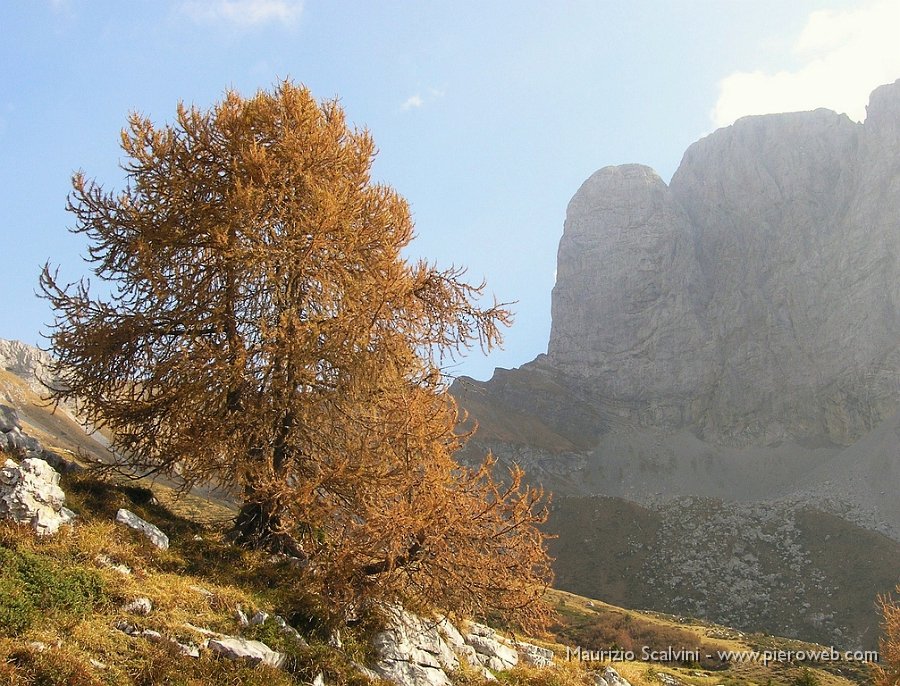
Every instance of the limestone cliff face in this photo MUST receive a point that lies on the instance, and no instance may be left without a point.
(756, 297)
(626, 314)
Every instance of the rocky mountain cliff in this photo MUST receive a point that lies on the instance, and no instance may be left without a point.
(733, 336)
(754, 298)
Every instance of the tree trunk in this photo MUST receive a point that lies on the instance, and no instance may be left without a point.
(258, 526)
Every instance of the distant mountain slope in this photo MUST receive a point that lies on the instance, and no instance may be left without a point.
(786, 569)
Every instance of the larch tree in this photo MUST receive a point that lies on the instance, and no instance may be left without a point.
(261, 330)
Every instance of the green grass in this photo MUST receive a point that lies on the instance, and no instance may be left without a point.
(36, 588)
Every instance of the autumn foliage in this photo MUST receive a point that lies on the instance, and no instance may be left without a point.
(260, 329)
(888, 673)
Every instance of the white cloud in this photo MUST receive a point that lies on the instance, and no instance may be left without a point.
(244, 13)
(412, 101)
(844, 55)
(417, 100)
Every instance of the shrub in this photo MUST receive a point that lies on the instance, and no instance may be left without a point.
(888, 672)
(33, 586)
(806, 678)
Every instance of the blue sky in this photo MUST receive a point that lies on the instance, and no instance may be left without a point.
(488, 115)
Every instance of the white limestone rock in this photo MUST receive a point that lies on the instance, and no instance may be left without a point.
(30, 494)
(412, 652)
(534, 655)
(237, 648)
(490, 649)
(139, 606)
(613, 678)
(405, 673)
(152, 532)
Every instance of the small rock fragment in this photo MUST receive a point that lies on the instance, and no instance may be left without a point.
(106, 561)
(139, 606)
(288, 630)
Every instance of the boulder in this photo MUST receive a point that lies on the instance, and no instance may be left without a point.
(613, 678)
(405, 673)
(30, 494)
(459, 646)
(490, 649)
(255, 652)
(9, 419)
(132, 521)
(534, 655)
(412, 651)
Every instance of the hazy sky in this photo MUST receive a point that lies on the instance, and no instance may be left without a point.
(488, 115)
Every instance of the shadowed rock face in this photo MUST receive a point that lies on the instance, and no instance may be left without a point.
(756, 297)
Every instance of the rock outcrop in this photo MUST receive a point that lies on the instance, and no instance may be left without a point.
(414, 651)
(30, 494)
(27, 362)
(757, 297)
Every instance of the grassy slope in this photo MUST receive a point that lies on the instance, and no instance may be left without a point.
(202, 580)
